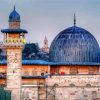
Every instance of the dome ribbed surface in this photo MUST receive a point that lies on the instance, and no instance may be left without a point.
(14, 16)
(74, 44)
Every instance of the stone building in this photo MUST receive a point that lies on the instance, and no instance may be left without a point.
(45, 47)
(72, 72)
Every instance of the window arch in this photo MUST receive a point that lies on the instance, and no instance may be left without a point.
(88, 85)
(26, 73)
(73, 70)
(91, 70)
(72, 85)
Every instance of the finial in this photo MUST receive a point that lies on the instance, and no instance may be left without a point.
(74, 19)
(14, 7)
(45, 37)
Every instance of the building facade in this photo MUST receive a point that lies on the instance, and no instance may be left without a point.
(72, 72)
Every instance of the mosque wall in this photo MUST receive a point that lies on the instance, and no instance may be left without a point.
(29, 81)
(77, 80)
(29, 70)
(29, 93)
(72, 87)
(60, 93)
(59, 87)
(33, 81)
(74, 69)
(77, 93)
(34, 70)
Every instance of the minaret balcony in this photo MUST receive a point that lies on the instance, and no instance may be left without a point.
(13, 42)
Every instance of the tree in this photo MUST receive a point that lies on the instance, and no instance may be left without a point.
(30, 49)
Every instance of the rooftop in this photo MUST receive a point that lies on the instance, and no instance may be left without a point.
(42, 62)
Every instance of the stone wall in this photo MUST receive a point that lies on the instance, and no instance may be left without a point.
(77, 93)
(60, 93)
(65, 87)
(77, 80)
(14, 72)
(69, 87)
(29, 93)
(75, 87)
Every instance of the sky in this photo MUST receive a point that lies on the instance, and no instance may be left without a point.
(49, 17)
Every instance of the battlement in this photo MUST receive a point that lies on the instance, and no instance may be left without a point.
(13, 42)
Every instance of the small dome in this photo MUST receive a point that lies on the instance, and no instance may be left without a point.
(14, 16)
(74, 44)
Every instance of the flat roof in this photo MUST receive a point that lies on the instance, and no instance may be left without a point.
(42, 62)
(14, 31)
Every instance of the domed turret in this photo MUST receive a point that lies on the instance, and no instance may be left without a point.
(14, 16)
(14, 34)
(75, 44)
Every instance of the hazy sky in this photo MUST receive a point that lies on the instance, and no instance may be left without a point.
(49, 17)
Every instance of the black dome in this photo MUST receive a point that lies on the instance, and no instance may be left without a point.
(74, 44)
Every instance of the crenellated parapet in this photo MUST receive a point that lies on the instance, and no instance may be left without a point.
(13, 42)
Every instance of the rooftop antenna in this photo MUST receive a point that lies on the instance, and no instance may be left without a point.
(74, 19)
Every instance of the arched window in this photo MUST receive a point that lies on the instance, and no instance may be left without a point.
(88, 85)
(26, 73)
(91, 70)
(55, 85)
(72, 85)
(34, 73)
(73, 70)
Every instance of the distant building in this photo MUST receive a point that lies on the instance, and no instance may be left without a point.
(45, 47)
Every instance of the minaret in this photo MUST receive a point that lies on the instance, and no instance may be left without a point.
(45, 42)
(13, 43)
(45, 47)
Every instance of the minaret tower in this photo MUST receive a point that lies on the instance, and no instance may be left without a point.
(13, 43)
(45, 42)
(45, 47)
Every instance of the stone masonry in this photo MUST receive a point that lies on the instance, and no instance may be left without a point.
(14, 72)
(71, 87)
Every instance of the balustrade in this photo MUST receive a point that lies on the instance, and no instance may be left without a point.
(13, 42)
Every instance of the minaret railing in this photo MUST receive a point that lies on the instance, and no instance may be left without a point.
(12, 42)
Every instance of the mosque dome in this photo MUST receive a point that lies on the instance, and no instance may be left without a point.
(75, 44)
(14, 16)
